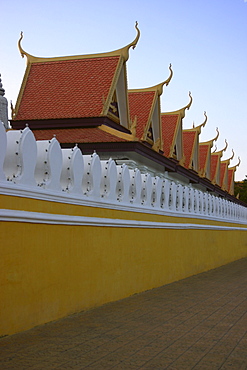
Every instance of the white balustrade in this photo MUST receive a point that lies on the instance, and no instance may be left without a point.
(30, 163)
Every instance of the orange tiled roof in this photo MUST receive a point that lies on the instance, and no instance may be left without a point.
(140, 104)
(214, 165)
(231, 172)
(67, 88)
(189, 138)
(77, 135)
(169, 124)
(223, 168)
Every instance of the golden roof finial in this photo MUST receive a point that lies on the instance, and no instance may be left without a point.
(19, 45)
(158, 87)
(232, 155)
(166, 82)
(198, 128)
(227, 161)
(216, 137)
(22, 51)
(134, 43)
(235, 167)
(181, 111)
(211, 142)
(190, 102)
(220, 152)
(239, 161)
(125, 49)
(225, 146)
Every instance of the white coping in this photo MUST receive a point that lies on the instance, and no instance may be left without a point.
(58, 219)
(66, 198)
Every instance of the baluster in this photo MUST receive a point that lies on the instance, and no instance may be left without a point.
(135, 186)
(92, 175)
(123, 183)
(179, 198)
(186, 199)
(146, 191)
(165, 194)
(108, 180)
(156, 191)
(21, 155)
(72, 170)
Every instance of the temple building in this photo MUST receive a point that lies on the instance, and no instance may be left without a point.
(84, 100)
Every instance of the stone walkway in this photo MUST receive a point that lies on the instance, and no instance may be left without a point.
(197, 323)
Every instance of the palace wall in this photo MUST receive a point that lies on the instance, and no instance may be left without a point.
(77, 232)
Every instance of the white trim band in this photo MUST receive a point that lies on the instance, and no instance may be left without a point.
(57, 219)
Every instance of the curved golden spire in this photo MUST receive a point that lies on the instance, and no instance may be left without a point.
(215, 149)
(124, 52)
(229, 159)
(23, 52)
(217, 135)
(239, 161)
(211, 142)
(182, 110)
(198, 128)
(125, 49)
(235, 167)
(158, 87)
(166, 82)
(223, 150)
(232, 155)
(220, 152)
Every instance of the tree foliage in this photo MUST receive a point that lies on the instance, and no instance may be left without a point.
(240, 190)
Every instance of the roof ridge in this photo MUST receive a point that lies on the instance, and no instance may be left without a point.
(124, 52)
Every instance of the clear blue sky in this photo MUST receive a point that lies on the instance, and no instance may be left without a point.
(206, 42)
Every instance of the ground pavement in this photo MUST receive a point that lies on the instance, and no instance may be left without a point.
(196, 323)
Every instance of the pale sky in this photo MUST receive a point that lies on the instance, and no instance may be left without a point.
(206, 42)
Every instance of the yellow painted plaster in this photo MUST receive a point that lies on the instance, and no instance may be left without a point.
(50, 271)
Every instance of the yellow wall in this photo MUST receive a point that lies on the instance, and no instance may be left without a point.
(50, 271)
